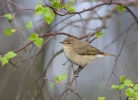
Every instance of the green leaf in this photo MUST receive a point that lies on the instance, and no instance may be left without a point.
(62, 77)
(10, 54)
(120, 87)
(33, 37)
(66, 5)
(57, 79)
(4, 60)
(48, 15)
(72, 1)
(39, 9)
(29, 25)
(121, 8)
(101, 98)
(130, 98)
(56, 4)
(122, 79)
(135, 95)
(39, 2)
(136, 87)
(129, 92)
(97, 35)
(9, 31)
(52, 85)
(8, 16)
(6, 57)
(127, 82)
(71, 9)
(114, 86)
(38, 42)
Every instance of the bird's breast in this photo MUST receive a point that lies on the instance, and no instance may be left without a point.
(77, 59)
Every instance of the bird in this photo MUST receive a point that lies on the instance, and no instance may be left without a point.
(81, 52)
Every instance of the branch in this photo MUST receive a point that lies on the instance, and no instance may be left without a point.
(43, 74)
(71, 82)
(26, 71)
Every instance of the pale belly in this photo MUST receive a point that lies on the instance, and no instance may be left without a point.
(80, 60)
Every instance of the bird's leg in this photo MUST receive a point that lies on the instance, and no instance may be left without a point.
(73, 68)
(92, 40)
(75, 75)
(81, 67)
(65, 63)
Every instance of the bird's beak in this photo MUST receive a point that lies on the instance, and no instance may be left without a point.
(61, 42)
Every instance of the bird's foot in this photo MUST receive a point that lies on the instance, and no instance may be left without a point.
(77, 70)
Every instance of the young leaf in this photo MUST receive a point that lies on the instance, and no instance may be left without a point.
(8, 16)
(33, 37)
(57, 79)
(120, 87)
(127, 82)
(52, 84)
(130, 98)
(39, 9)
(97, 35)
(129, 92)
(72, 1)
(4, 60)
(29, 25)
(114, 87)
(56, 4)
(136, 87)
(66, 5)
(10, 54)
(62, 77)
(121, 8)
(101, 98)
(9, 31)
(38, 42)
(48, 15)
(122, 79)
(71, 9)
(135, 95)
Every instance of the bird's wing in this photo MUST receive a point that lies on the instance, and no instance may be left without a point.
(84, 48)
(94, 51)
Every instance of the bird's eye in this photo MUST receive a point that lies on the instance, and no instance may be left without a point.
(68, 43)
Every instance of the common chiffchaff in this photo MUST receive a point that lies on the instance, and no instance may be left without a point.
(80, 52)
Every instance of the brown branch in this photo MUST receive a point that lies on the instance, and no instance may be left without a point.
(22, 78)
(44, 35)
(112, 73)
(27, 70)
(43, 74)
(82, 23)
(128, 28)
(23, 47)
(71, 82)
(98, 29)
(92, 8)
(134, 16)
(13, 64)
(14, 4)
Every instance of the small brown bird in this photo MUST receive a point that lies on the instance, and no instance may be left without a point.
(80, 52)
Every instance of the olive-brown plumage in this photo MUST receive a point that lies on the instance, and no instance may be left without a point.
(80, 52)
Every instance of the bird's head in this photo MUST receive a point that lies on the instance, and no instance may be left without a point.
(69, 42)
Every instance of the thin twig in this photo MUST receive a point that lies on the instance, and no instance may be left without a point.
(71, 82)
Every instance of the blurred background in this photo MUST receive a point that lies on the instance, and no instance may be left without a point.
(23, 78)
